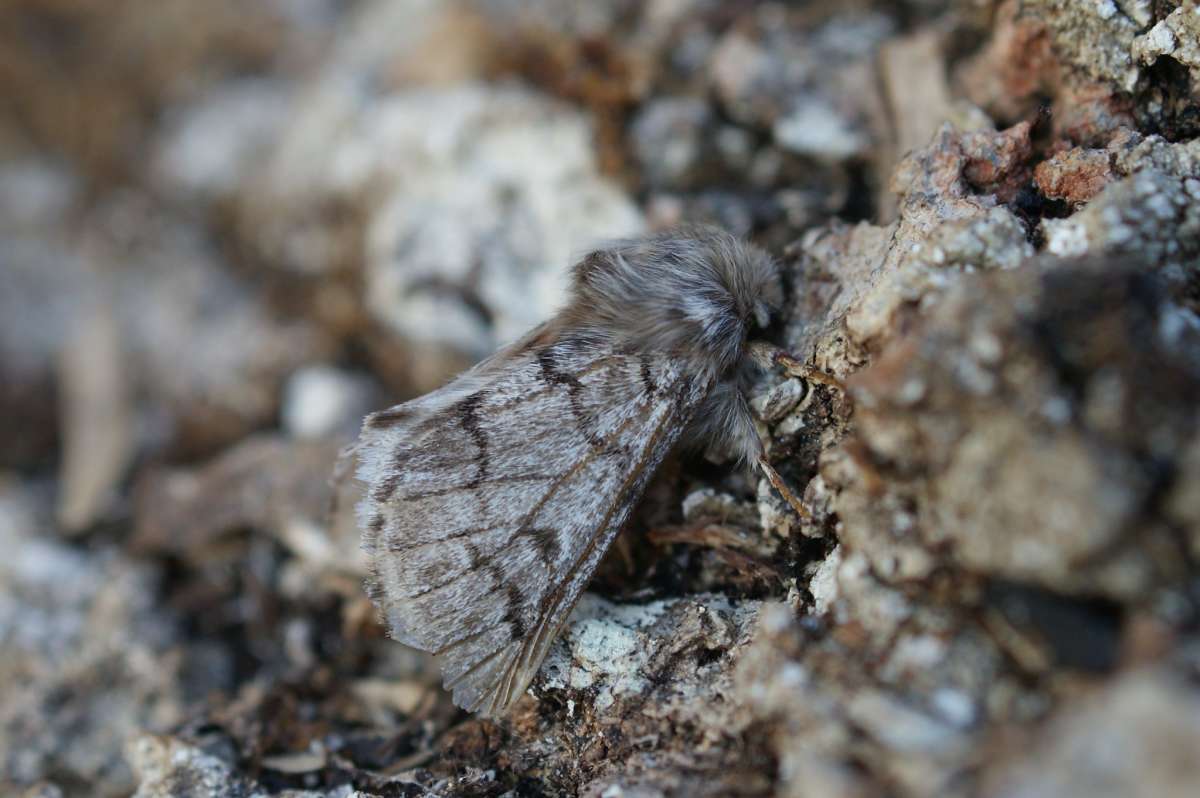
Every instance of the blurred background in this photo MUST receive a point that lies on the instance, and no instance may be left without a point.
(228, 229)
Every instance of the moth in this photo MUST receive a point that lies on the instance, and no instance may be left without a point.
(489, 502)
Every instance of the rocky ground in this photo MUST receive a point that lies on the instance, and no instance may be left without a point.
(226, 235)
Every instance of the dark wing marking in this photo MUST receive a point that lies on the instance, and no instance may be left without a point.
(490, 502)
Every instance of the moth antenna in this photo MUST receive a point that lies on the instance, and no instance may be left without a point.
(781, 486)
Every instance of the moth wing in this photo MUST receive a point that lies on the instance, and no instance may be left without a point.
(490, 502)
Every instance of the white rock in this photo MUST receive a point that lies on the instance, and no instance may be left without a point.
(490, 194)
(815, 128)
(321, 400)
(211, 146)
(824, 584)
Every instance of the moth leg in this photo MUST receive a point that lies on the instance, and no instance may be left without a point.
(769, 356)
(781, 486)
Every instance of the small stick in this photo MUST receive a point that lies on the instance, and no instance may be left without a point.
(784, 491)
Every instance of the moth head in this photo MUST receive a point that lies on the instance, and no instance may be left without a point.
(751, 278)
(698, 291)
(756, 286)
(735, 290)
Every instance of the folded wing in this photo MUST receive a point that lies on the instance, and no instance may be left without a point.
(490, 502)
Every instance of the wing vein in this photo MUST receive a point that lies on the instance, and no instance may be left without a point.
(551, 605)
(491, 617)
(612, 508)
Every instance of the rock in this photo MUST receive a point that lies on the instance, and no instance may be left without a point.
(773, 73)
(94, 654)
(173, 293)
(1079, 175)
(208, 148)
(1177, 36)
(808, 82)
(1071, 437)
(42, 283)
(620, 672)
(1076, 176)
(95, 96)
(670, 137)
(1151, 214)
(35, 193)
(1094, 37)
(802, 717)
(514, 167)
(1016, 64)
(158, 282)
(610, 651)
(1151, 716)
(1074, 52)
(949, 217)
(322, 401)
(270, 485)
(813, 128)
(708, 504)
(1182, 503)
(165, 767)
(918, 93)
